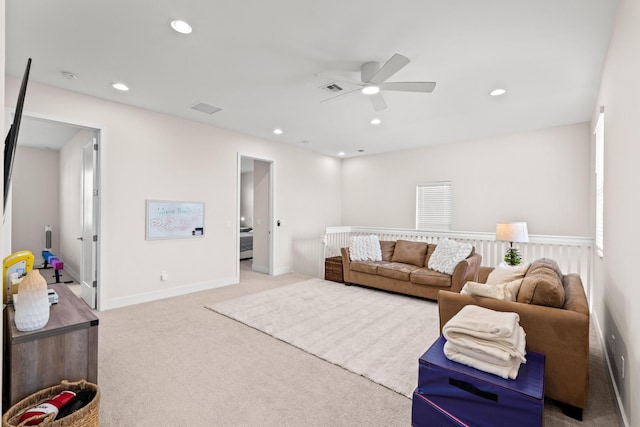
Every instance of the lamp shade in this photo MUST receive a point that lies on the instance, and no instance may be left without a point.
(512, 232)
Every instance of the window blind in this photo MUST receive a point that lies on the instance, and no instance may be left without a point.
(433, 206)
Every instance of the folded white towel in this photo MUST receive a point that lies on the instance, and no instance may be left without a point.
(490, 351)
(483, 323)
(506, 372)
(491, 333)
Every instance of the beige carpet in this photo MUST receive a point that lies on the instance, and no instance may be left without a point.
(380, 335)
(375, 334)
(172, 362)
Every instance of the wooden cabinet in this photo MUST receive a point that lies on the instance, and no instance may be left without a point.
(66, 348)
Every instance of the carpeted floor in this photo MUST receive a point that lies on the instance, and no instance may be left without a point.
(174, 363)
(374, 334)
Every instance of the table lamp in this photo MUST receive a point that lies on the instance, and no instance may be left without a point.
(512, 232)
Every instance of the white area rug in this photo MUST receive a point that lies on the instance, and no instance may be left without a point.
(372, 333)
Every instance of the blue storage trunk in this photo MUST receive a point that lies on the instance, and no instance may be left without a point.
(425, 413)
(479, 398)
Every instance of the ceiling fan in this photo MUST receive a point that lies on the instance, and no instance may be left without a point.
(374, 79)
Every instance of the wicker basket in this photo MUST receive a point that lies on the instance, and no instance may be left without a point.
(87, 416)
(333, 269)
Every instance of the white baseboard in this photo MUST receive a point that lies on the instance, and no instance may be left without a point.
(603, 344)
(165, 293)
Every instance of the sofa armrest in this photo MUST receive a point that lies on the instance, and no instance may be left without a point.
(465, 271)
(562, 335)
(346, 266)
(483, 274)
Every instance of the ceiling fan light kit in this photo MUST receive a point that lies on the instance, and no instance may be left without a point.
(370, 89)
(373, 81)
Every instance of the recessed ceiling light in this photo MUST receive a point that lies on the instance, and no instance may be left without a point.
(120, 86)
(341, 153)
(69, 75)
(278, 131)
(181, 26)
(376, 121)
(497, 92)
(370, 89)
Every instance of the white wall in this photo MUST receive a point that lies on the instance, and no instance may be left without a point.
(35, 203)
(616, 290)
(147, 155)
(541, 177)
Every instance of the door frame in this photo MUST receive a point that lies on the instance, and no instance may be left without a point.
(100, 134)
(272, 237)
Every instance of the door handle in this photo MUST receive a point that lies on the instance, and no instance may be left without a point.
(80, 238)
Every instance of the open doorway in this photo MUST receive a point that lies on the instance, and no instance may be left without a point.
(255, 214)
(54, 196)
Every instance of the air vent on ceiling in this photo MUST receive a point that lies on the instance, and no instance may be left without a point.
(332, 87)
(203, 107)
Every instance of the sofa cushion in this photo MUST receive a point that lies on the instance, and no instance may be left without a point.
(395, 270)
(410, 253)
(542, 285)
(430, 250)
(448, 254)
(387, 247)
(370, 267)
(425, 276)
(504, 273)
(502, 291)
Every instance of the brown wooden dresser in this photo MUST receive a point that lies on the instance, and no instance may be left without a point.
(66, 348)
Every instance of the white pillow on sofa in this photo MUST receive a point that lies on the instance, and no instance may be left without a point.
(448, 254)
(504, 273)
(365, 248)
(504, 291)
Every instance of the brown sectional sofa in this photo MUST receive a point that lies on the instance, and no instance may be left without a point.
(403, 269)
(554, 314)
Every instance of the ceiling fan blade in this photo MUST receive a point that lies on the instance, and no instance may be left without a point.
(392, 66)
(427, 87)
(340, 95)
(368, 70)
(378, 102)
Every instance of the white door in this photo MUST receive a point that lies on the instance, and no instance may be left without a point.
(88, 267)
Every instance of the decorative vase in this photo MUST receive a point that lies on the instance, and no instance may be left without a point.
(32, 304)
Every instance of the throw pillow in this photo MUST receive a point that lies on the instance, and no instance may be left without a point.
(410, 252)
(504, 291)
(542, 286)
(448, 254)
(387, 247)
(365, 248)
(504, 273)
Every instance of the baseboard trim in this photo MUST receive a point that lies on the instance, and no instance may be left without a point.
(603, 344)
(165, 293)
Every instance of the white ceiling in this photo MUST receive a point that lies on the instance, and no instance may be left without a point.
(257, 60)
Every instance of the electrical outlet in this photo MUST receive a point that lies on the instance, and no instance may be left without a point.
(164, 276)
(613, 344)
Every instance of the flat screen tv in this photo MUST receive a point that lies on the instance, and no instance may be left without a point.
(12, 137)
